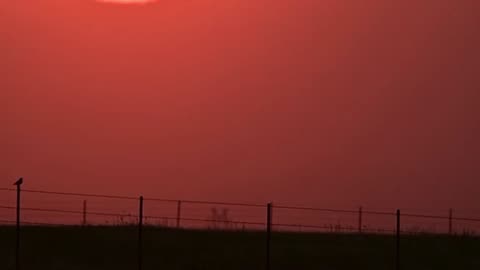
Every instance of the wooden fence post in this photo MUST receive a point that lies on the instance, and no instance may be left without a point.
(450, 221)
(179, 213)
(397, 254)
(17, 247)
(140, 232)
(360, 214)
(84, 221)
(269, 232)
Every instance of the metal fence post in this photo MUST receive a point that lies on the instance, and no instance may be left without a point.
(450, 221)
(17, 247)
(140, 231)
(179, 212)
(84, 221)
(269, 232)
(397, 255)
(360, 213)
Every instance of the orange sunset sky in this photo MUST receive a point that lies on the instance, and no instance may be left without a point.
(311, 102)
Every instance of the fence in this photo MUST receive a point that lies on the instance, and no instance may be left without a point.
(50, 208)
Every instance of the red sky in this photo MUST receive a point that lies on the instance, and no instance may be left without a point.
(322, 103)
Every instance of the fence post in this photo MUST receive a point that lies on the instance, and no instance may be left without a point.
(84, 221)
(360, 213)
(140, 231)
(179, 213)
(269, 231)
(450, 221)
(17, 247)
(397, 255)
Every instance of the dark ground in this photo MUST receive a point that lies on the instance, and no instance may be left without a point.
(104, 248)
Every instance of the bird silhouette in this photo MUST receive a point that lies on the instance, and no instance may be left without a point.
(19, 182)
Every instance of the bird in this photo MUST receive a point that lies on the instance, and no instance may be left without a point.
(19, 182)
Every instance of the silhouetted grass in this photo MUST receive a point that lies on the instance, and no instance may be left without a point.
(50, 248)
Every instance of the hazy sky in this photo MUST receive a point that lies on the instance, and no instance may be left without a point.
(315, 102)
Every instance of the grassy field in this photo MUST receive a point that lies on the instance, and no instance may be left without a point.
(52, 248)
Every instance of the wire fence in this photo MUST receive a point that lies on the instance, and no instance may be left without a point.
(89, 209)
(140, 216)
